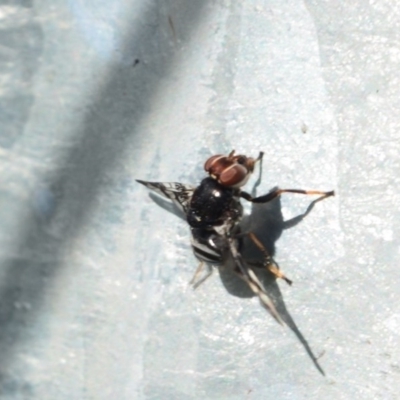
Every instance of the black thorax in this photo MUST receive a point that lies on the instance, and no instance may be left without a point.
(212, 204)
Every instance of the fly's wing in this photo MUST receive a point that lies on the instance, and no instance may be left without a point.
(248, 275)
(179, 193)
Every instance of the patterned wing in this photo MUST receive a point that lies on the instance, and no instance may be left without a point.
(249, 276)
(179, 193)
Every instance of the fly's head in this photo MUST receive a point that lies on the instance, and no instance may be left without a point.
(231, 171)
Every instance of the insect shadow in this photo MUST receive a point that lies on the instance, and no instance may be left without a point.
(266, 222)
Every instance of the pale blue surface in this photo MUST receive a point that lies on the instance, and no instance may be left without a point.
(94, 301)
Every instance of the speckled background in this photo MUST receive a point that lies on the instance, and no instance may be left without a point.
(94, 295)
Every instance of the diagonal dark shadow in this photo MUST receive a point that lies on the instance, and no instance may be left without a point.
(125, 97)
(266, 221)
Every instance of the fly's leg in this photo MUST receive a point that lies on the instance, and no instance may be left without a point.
(294, 221)
(268, 261)
(277, 192)
(195, 282)
(197, 273)
(257, 183)
(248, 275)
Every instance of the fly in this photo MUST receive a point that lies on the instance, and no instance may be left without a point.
(213, 212)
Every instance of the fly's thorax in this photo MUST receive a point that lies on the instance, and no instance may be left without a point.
(210, 204)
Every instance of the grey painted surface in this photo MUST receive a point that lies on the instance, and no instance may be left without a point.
(94, 300)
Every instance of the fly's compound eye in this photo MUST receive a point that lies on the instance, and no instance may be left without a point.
(213, 162)
(247, 162)
(231, 170)
(216, 165)
(234, 175)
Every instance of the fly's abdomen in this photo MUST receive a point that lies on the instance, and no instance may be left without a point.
(207, 246)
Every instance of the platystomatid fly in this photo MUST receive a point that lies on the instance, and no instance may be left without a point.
(213, 212)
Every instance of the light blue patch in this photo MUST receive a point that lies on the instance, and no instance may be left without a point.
(99, 22)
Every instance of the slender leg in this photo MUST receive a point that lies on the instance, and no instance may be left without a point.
(277, 192)
(248, 275)
(295, 220)
(195, 282)
(259, 159)
(269, 263)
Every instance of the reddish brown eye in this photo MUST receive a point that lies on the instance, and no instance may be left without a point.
(216, 165)
(233, 175)
(230, 171)
(211, 161)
